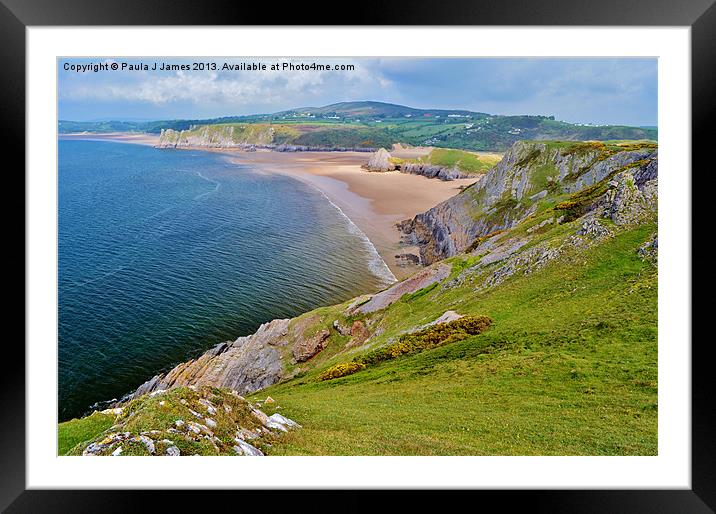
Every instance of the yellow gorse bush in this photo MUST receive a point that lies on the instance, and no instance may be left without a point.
(431, 337)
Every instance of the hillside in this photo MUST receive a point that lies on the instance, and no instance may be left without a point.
(533, 331)
(370, 125)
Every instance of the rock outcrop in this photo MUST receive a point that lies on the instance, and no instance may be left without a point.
(511, 190)
(304, 349)
(188, 421)
(379, 161)
(434, 171)
(423, 278)
(248, 364)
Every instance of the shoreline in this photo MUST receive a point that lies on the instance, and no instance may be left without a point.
(371, 201)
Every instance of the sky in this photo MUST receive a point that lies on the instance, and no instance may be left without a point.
(601, 91)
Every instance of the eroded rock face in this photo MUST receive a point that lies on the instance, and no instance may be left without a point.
(508, 193)
(627, 201)
(380, 161)
(225, 136)
(422, 279)
(304, 349)
(359, 333)
(246, 365)
(433, 171)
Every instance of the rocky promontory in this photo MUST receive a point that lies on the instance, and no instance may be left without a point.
(511, 191)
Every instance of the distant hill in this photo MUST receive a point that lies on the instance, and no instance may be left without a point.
(368, 124)
(372, 110)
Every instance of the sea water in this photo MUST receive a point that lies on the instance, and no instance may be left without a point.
(164, 253)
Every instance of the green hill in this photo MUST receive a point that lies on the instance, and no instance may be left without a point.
(375, 124)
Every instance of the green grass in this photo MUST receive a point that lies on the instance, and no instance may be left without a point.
(76, 431)
(462, 160)
(568, 367)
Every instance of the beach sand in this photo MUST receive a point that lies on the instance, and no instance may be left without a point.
(375, 202)
(117, 137)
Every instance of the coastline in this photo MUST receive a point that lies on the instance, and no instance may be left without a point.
(373, 202)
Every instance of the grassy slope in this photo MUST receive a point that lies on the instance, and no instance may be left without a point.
(569, 367)
(465, 161)
(76, 431)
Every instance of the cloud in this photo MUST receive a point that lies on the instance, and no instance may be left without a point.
(230, 88)
(592, 90)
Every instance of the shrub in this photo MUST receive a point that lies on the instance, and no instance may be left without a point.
(431, 337)
(341, 370)
(481, 240)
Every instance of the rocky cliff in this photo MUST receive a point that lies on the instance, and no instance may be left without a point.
(433, 171)
(529, 173)
(245, 365)
(246, 138)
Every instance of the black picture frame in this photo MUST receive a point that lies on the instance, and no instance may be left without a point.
(16, 15)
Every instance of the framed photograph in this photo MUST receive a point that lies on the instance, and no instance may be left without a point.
(428, 250)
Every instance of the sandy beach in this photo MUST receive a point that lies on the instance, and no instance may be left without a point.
(375, 202)
(117, 137)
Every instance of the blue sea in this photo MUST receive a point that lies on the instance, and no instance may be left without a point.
(165, 253)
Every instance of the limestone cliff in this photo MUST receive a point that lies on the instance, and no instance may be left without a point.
(434, 171)
(529, 173)
(248, 137)
(248, 364)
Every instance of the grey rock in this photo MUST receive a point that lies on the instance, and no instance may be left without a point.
(593, 228)
(244, 448)
(422, 279)
(246, 365)
(278, 418)
(147, 442)
(380, 161)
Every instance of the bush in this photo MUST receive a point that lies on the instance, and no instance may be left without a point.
(431, 337)
(341, 370)
(478, 241)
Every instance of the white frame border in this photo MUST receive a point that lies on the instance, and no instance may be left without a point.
(670, 469)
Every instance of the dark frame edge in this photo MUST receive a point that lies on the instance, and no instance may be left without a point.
(703, 78)
(14, 497)
(12, 378)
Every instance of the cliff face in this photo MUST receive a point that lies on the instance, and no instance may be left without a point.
(245, 137)
(434, 171)
(248, 364)
(529, 173)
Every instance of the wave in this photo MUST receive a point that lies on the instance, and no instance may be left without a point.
(216, 186)
(376, 264)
